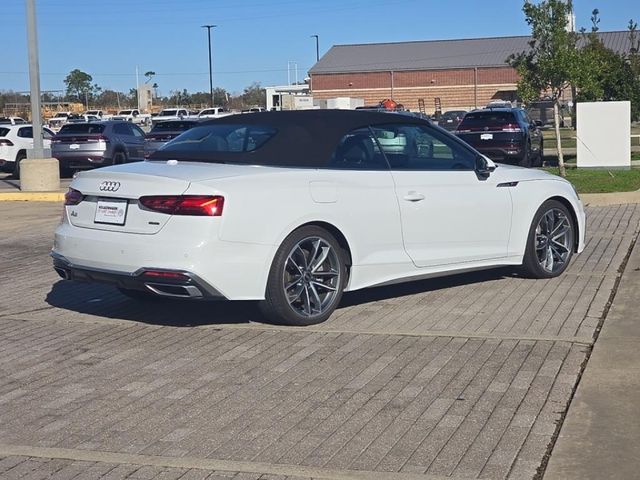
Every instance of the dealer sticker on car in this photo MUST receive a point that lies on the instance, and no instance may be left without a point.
(111, 210)
(486, 136)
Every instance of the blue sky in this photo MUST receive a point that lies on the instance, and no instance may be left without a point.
(255, 40)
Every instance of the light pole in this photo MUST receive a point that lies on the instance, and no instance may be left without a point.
(36, 172)
(317, 47)
(209, 27)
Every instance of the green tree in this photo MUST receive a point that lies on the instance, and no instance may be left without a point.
(606, 75)
(79, 86)
(552, 62)
(254, 96)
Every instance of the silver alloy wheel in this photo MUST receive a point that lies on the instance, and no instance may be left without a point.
(554, 239)
(311, 276)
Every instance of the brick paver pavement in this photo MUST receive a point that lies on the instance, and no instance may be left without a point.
(460, 377)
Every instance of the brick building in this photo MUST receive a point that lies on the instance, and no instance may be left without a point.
(462, 74)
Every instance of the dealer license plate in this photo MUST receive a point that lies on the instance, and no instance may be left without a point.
(486, 136)
(111, 210)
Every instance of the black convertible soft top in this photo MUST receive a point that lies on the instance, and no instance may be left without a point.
(305, 138)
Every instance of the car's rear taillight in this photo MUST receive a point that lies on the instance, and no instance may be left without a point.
(5, 142)
(73, 197)
(197, 205)
(511, 127)
(97, 138)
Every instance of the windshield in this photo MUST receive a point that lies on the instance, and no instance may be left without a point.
(82, 128)
(125, 112)
(486, 119)
(168, 112)
(203, 142)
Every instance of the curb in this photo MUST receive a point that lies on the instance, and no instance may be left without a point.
(604, 199)
(31, 196)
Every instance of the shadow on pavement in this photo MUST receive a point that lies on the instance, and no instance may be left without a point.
(106, 302)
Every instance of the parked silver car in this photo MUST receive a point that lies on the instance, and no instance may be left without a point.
(81, 146)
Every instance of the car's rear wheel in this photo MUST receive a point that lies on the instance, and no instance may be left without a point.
(550, 242)
(16, 166)
(119, 158)
(525, 161)
(306, 279)
(539, 161)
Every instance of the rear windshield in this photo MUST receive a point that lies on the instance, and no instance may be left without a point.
(168, 112)
(172, 126)
(453, 114)
(3, 132)
(487, 119)
(220, 138)
(82, 128)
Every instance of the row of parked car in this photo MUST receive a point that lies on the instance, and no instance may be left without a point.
(502, 133)
(85, 145)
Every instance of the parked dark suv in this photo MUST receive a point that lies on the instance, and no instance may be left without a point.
(505, 135)
(451, 119)
(162, 132)
(81, 146)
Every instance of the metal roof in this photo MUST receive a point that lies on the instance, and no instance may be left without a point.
(437, 54)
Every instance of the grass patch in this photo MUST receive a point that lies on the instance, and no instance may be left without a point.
(601, 181)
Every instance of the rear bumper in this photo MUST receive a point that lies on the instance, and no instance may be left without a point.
(238, 271)
(507, 154)
(82, 159)
(183, 285)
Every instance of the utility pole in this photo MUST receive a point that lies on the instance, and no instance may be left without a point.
(209, 27)
(317, 47)
(38, 172)
(34, 80)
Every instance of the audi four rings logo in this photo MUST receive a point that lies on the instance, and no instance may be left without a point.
(109, 186)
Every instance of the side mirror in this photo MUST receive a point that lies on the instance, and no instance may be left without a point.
(484, 166)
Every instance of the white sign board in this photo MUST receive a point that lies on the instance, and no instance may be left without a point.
(604, 134)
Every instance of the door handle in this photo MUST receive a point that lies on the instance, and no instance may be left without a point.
(413, 197)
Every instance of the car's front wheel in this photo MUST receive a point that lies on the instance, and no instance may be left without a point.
(306, 279)
(550, 242)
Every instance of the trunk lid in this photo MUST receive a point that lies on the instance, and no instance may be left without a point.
(117, 189)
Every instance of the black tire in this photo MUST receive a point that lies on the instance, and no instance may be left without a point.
(330, 276)
(119, 158)
(540, 156)
(532, 262)
(525, 161)
(66, 172)
(138, 294)
(16, 166)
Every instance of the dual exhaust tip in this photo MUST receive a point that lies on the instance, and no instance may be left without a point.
(161, 289)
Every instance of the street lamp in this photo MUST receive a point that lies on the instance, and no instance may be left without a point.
(38, 172)
(209, 27)
(317, 47)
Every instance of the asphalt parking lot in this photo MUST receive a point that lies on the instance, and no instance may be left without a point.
(460, 377)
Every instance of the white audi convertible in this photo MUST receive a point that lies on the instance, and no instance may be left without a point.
(293, 208)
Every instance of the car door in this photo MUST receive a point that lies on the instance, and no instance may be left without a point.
(137, 141)
(358, 188)
(126, 137)
(449, 214)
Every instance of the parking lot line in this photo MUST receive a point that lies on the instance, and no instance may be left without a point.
(208, 464)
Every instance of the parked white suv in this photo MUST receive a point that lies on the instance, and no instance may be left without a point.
(15, 140)
(12, 121)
